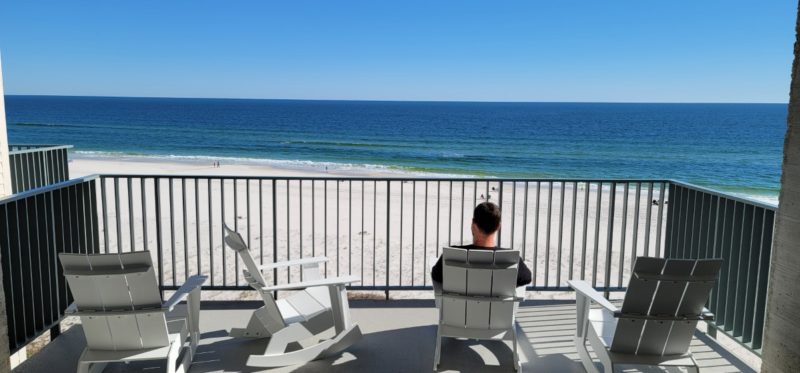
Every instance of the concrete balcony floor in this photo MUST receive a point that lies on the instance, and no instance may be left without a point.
(398, 337)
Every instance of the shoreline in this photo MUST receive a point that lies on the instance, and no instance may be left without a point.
(87, 163)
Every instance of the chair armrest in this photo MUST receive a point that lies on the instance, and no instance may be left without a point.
(191, 283)
(73, 308)
(706, 315)
(521, 290)
(292, 263)
(313, 283)
(582, 288)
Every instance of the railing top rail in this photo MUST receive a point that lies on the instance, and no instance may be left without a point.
(31, 148)
(367, 178)
(727, 195)
(47, 188)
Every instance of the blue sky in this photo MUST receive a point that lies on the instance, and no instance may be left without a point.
(565, 50)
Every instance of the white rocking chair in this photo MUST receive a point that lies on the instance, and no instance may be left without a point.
(654, 327)
(123, 318)
(301, 318)
(479, 297)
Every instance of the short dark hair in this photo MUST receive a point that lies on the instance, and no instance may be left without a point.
(487, 217)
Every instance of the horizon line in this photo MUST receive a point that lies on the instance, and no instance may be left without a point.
(408, 101)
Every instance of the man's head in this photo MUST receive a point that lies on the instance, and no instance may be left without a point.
(485, 223)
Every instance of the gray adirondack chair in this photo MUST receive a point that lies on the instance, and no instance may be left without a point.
(119, 304)
(478, 298)
(318, 305)
(659, 314)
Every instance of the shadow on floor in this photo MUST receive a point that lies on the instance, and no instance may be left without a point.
(391, 343)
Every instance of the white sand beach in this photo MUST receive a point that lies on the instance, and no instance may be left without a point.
(355, 242)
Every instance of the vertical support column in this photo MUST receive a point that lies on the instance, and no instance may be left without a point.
(5, 190)
(5, 167)
(781, 346)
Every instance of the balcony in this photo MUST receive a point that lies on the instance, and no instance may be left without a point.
(386, 231)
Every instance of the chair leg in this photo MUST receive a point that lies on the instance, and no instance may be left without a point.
(514, 344)
(88, 366)
(694, 368)
(172, 357)
(85, 367)
(438, 350)
(583, 353)
(255, 327)
(599, 350)
(292, 333)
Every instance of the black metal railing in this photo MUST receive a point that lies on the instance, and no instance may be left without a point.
(704, 223)
(34, 166)
(34, 227)
(562, 227)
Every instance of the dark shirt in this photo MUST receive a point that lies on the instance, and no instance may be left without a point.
(523, 273)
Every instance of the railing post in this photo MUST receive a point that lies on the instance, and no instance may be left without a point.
(157, 189)
(610, 242)
(275, 237)
(388, 225)
(55, 331)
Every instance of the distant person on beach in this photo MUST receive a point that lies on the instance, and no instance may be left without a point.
(485, 225)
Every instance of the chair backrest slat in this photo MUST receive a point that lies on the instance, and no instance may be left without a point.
(694, 299)
(97, 332)
(125, 332)
(639, 295)
(236, 242)
(479, 281)
(665, 303)
(106, 285)
(152, 329)
(454, 279)
(637, 301)
(274, 320)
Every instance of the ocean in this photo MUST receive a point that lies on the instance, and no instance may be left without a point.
(731, 147)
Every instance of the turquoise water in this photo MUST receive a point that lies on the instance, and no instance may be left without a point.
(733, 147)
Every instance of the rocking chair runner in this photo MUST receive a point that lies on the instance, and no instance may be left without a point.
(301, 318)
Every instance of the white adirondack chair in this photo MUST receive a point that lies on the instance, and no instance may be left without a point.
(478, 298)
(654, 327)
(123, 317)
(303, 318)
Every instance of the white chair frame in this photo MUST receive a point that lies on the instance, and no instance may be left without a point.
(662, 306)
(124, 320)
(319, 305)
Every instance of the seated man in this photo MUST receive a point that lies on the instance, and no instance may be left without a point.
(485, 224)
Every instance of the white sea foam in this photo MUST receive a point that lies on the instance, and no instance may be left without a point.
(299, 165)
(304, 165)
